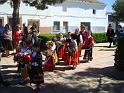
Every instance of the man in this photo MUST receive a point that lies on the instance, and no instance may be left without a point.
(1, 29)
(110, 34)
(120, 32)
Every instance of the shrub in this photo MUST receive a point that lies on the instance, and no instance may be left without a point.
(119, 54)
(47, 37)
(100, 37)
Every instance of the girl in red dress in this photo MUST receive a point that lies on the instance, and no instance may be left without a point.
(71, 53)
(49, 64)
(60, 46)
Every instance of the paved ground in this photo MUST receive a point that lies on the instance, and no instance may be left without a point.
(98, 76)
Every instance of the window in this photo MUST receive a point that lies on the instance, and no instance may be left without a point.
(110, 18)
(88, 24)
(64, 8)
(94, 11)
(56, 26)
(65, 26)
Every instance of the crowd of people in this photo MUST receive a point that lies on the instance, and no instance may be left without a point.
(21, 40)
(61, 50)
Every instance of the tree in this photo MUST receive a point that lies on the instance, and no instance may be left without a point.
(118, 7)
(39, 4)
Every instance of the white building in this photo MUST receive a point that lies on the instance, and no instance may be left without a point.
(64, 17)
(112, 22)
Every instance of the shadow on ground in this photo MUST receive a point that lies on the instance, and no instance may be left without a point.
(109, 72)
(103, 78)
(49, 88)
(8, 66)
(59, 88)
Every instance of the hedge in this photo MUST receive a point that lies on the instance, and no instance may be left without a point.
(98, 37)
(119, 54)
(47, 37)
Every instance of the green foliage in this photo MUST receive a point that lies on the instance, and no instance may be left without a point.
(118, 7)
(47, 37)
(41, 4)
(100, 37)
(119, 54)
(3, 1)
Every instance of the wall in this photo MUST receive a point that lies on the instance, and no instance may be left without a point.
(76, 13)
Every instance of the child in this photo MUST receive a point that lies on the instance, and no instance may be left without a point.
(89, 42)
(49, 64)
(71, 53)
(36, 71)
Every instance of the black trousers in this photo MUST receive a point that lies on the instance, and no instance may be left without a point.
(88, 53)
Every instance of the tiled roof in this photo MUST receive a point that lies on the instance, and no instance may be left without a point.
(89, 1)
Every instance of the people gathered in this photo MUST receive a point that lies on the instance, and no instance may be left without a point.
(63, 49)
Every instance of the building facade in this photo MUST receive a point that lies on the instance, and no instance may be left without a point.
(64, 17)
(112, 21)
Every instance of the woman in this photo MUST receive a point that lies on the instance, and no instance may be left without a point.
(8, 39)
(17, 37)
(35, 33)
(78, 37)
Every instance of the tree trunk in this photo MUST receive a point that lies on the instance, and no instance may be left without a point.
(15, 17)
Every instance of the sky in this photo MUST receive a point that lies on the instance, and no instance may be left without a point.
(109, 4)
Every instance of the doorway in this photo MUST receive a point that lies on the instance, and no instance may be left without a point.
(65, 27)
(86, 24)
